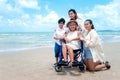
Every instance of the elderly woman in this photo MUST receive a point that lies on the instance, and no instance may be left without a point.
(94, 56)
(72, 41)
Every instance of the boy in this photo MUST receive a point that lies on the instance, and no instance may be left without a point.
(58, 36)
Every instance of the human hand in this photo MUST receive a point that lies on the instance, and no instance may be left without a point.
(81, 38)
(68, 40)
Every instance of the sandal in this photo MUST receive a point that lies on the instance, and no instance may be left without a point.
(107, 65)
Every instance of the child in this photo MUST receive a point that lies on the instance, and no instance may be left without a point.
(58, 36)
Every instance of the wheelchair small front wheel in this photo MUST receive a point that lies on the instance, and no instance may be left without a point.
(58, 68)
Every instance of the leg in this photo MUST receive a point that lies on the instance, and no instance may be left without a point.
(56, 50)
(97, 63)
(99, 67)
(56, 59)
(88, 59)
(86, 63)
(91, 65)
(64, 51)
(71, 54)
(95, 66)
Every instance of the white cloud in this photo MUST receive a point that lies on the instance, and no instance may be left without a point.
(105, 16)
(10, 21)
(36, 22)
(38, 17)
(25, 16)
(47, 8)
(47, 22)
(8, 10)
(29, 4)
(4, 6)
(52, 17)
(39, 20)
(3, 1)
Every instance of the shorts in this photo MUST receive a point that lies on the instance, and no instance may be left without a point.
(87, 53)
(58, 50)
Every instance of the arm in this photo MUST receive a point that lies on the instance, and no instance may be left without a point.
(92, 41)
(55, 36)
(78, 36)
(58, 38)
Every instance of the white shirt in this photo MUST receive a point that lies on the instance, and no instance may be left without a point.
(59, 33)
(94, 44)
(73, 44)
(79, 24)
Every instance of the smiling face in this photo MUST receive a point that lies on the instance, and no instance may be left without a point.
(72, 15)
(87, 25)
(72, 26)
(61, 24)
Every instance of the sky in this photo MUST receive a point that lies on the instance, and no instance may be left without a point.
(42, 15)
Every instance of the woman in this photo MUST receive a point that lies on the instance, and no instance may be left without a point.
(72, 41)
(73, 16)
(94, 56)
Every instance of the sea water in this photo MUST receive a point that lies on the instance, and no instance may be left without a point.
(28, 40)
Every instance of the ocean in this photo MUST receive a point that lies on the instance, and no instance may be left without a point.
(11, 41)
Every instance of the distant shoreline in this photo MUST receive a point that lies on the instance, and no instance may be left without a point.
(53, 31)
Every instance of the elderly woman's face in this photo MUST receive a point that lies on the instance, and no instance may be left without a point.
(87, 25)
(72, 26)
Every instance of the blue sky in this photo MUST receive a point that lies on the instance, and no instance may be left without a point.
(42, 15)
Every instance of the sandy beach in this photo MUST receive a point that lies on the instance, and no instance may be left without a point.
(37, 64)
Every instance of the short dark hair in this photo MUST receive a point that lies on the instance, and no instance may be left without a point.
(90, 21)
(61, 20)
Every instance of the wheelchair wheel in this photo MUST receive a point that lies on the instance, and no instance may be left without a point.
(58, 68)
(82, 67)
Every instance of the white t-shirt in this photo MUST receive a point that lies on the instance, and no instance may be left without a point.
(73, 44)
(59, 33)
(80, 24)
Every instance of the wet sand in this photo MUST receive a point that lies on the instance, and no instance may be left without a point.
(37, 64)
